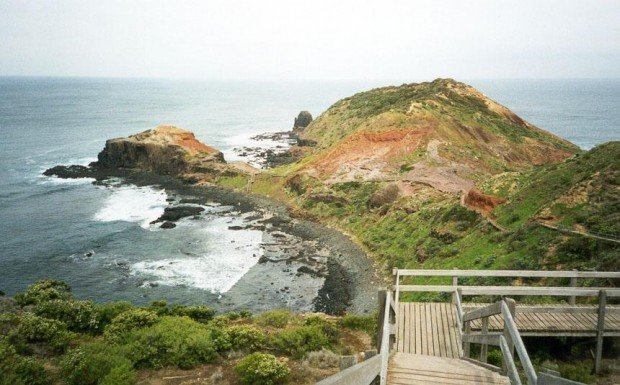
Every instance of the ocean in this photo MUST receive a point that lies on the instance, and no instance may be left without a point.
(98, 238)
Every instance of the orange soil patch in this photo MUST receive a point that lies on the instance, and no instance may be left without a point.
(189, 142)
(366, 154)
(481, 202)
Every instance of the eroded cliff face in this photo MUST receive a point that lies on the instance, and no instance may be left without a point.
(163, 150)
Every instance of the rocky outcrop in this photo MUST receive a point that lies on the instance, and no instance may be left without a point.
(164, 150)
(477, 200)
(302, 120)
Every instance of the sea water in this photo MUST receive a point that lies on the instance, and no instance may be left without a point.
(99, 238)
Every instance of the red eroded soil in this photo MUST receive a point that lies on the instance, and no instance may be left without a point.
(479, 201)
(365, 147)
(190, 143)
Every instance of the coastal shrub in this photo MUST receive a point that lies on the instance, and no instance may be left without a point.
(261, 369)
(247, 338)
(322, 359)
(44, 290)
(127, 321)
(367, 323)
(120, 375)
(173, 341)
(35, 329)
(329, 328)
(221, 338)
(90, 364)
(18, 370)
(300, 340)
(79, 316)
(494, 357)
(220, 321)
(198, 313)
(160, 307)
(108, 311)
(278, 318)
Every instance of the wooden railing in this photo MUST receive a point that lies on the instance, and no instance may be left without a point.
(367, 371)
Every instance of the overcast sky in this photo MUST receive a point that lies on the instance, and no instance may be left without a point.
(318, 39)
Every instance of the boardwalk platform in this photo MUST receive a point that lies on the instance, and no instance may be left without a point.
(414, 369)
(428, 329)
(554, 320)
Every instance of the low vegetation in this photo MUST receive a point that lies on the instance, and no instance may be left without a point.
(49, 337)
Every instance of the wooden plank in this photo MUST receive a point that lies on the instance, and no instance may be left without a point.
(362, 373)
(447, 329)
(417, 321)
(401, 325)
(486, 311)
(407, 331)
(600, 329)
(554, 291)
(508, 273)
(423, 330)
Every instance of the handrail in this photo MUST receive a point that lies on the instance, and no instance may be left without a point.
(366, 372)
(553, 291)
(384, 350)
(506, 273)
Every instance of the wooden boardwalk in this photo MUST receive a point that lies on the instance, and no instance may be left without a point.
(414, 369)
(554, 320)
(428, 329)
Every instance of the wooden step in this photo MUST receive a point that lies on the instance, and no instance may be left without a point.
(413, 369)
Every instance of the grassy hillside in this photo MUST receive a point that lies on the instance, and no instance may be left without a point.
(396, 167)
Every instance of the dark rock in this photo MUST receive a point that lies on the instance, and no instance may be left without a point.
(168, 225)
(302, 120)
(236, 227)
(296, 184)
(307, 270)
(328, 198)
(306, 142)
(73, 171)
(175, 213)
(384, 196)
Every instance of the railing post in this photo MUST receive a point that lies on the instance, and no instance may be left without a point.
(455, 283)
(467, 345)
(511, 346)
(573, 283)
(600, 329)
(484, 349)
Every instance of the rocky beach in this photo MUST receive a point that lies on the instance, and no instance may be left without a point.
(302, 265)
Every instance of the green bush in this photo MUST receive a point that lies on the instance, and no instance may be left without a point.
(276, 318)
(79, 316)
(35, 329)
(495, 357)
(329, 328)
(221, 338)
(367, 323)
(44, 290)
(198, 313)
(173, 341)
(108, 311)
(120, 375)
(18, 370)
(247, 338)
(261, 369)
(128, 321)
(90, 364)
(298, 341)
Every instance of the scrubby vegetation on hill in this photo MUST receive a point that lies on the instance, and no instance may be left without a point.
(49, 337)
(436, 175)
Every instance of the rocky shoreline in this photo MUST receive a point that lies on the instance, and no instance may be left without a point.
(305, 266)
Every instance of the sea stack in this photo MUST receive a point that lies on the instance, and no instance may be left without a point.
(302, 120)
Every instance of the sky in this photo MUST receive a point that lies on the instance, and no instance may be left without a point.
(318, 39)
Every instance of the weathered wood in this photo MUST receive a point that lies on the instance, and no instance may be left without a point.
(513, 290)
(510, 325)
(573, 283)
(381, 298)
(347, 362)
(600, 330)
(484, 349)
(361, 374)
(466, 343)
(489, 339)
(506, 273)
(492, 309)
(508, 304)
(508, 362)
(385, 341)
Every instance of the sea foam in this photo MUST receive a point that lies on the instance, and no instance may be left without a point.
(133, 204)
(230, 255)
